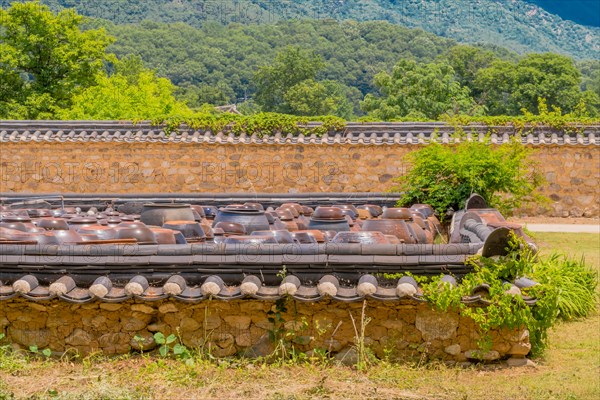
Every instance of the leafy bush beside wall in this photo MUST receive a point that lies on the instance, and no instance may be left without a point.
(444, 176)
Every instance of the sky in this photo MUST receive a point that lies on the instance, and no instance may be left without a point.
(585, 12)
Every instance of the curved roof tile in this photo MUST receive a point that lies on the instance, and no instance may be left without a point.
(354, 133)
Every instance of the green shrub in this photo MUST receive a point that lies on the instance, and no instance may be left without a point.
(566, 290)
(444, 176)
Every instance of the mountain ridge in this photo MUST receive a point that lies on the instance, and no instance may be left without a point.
(515, 24)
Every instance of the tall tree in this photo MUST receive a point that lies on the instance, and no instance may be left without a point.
(130, 94)
(507, 88)
(418, 91)
(45, 59)
(310, 97)
(291, 66)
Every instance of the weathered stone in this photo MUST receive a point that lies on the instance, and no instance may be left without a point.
(99, 322)
(217, 351)
(376, 332)
(262, 348)
(240, 322)
(110, 306)
(211, 322)
(168, 308)
(520, 349)
(264, 323)
(143, 308)
(393, 324)
(482, 355)
(158, 327)
(436, 325)
(520, 362)
(143, 341)
(453, 349)
(189, 324)
(79, 337)
(333, 345)
(347, 356)
(243, 339)
(114, 343)
(294, 326)
(223, 340)
(29, 337)
(37, 306)
(133, 324)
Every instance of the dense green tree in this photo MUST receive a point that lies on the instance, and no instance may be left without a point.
(590, 74)
(291, 67)
(466, 61)
(418, 91)
(133, 96)
(495, 85)
(310, 97)
(45, 59)
(508, 88)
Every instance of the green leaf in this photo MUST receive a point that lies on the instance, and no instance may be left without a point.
(159, 338)
(33, 349)
(163, 350)
(171, 338)
(179, 349)
(47, 352)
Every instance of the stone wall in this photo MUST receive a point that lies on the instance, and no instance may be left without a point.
(394, 330)
(572, 171)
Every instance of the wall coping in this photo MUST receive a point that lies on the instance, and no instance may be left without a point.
(354, 133)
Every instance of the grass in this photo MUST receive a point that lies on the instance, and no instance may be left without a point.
(569, 370)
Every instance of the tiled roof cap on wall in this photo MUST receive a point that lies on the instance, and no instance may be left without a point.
(139, 288)
(382, 133)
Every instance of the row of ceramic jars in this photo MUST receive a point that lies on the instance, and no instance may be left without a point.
(179, 223)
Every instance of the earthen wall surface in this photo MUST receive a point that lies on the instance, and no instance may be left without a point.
(572, 172)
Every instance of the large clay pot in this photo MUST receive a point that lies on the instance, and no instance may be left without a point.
(228, 228)
(327, 213)
(281, 236)
(396, 227)
(18, 226)
(363, 237)
(141, 235)
(354, 211)
(157, 214)
(304, 237)
(51, 224)
(100, 231)
(373, 209)
(318, 235)
(397, 213)
(164, 236)
(339, 225)
(253, 240)
(419, 233)
(191, 230)
(67, 236)
(79, 222)
(251, 219)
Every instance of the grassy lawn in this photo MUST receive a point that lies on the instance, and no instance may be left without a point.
(570, 369)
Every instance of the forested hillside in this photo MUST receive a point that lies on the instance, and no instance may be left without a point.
(514, 24)
(216, 64)
(60, 65)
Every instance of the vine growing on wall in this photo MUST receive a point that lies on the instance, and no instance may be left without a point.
(269, 123)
